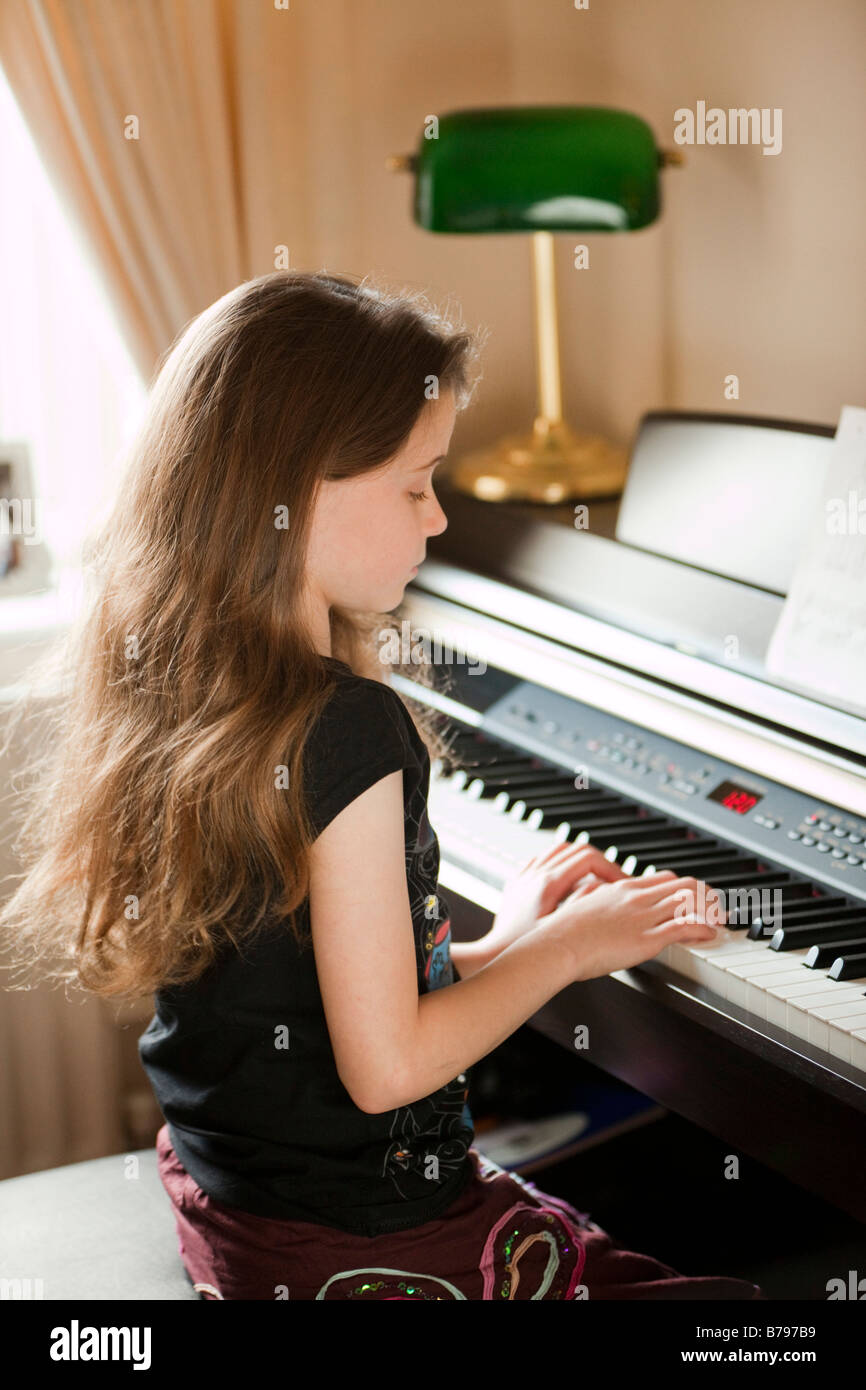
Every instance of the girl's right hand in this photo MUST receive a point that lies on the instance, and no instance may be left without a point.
(613, 926)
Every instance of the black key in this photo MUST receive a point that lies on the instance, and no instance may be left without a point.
(847, 967)
(603, 822)
(807, 907)
(506, 778)
(484, 789)
(554, 800)
(795, 938)
(824, 955)
(644, 836)
(754, 880)
(752, 905)
(687, 864)
(817, 928)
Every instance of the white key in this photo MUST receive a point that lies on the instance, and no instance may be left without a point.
(813, 994)
(825, 1018)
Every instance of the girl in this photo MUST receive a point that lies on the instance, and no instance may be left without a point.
(234, 819)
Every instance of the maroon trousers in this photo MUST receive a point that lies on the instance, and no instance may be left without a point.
(501, 1239)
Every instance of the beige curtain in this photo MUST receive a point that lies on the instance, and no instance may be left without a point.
(181, 134)
(203, 198)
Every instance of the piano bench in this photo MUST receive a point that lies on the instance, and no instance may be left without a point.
(86, 1231)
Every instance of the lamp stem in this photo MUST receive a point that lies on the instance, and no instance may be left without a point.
(546, 334)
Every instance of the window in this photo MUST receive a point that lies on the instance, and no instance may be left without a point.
(68, 386)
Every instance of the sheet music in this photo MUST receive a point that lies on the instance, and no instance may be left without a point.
(819, 642)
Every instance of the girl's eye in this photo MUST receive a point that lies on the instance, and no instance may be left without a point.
(418, 496)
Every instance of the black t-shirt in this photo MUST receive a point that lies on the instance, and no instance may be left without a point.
(241, 1061)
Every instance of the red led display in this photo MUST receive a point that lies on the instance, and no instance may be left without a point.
(736, 798)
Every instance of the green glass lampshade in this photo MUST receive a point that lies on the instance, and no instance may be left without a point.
(543, 168)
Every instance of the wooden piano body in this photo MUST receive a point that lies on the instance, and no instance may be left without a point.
(610, 651)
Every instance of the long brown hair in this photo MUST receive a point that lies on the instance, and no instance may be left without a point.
(168, 816)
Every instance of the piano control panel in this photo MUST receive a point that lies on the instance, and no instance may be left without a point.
(821, 841)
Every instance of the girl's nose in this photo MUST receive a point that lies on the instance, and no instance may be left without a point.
(438, 520)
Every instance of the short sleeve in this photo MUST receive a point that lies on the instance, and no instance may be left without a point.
(359, 738)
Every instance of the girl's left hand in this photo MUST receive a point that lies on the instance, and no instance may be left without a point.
(542, 883)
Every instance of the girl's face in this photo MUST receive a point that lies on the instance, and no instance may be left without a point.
(368, 532)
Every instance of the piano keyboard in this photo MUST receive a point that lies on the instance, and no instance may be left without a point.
(493, 806)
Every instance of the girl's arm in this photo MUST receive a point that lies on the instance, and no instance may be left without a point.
(390, 1049)
(468, 957)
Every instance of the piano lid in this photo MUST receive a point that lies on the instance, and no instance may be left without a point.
(645, 588)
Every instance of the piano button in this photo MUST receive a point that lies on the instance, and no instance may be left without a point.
(837, 854)
(793, 834)
(807, 840)
(853, 859)
(822, 847)
(839, 831)
(824, 825)
(848, 966)
(855, 839)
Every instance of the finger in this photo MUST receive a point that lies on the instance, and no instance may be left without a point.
(554, 851)
(703, 902)
(674, 929)
(588, 859)
(586, 885)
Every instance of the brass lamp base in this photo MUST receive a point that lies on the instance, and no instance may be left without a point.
(553, 464)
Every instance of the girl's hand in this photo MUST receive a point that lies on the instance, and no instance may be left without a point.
(631, 920)
(542, 884)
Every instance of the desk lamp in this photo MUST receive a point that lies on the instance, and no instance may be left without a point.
(538, 169)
